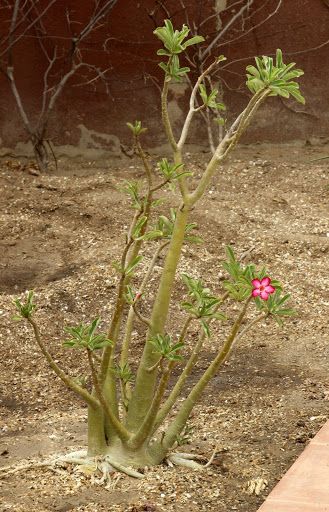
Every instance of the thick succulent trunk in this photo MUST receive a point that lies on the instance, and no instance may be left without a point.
(99, 445)
(145, 382)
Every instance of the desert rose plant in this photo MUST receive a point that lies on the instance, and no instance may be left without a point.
(126, 412)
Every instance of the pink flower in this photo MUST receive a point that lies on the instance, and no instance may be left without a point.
(262, 288)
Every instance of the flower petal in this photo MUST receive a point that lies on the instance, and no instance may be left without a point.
(265, 281)
(270, 289)
(255, 292)
(256, 283)
(264, 295)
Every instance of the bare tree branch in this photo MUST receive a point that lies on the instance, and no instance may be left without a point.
(31, 18)
(226, 28)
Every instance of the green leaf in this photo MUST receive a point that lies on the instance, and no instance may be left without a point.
(157, 202)
(296, 94)
(170, 28)
(102, 344)
(220, 120)
(16, 318)
(175, 357)
(219, 316)
(163, 52)
(221, 58)
(151, 235)
(93, 326)
(139, 226)
(177, 346)
(130, 267)
(117, 267)
(254, 71)
(193, 239)
(164, 67)
(279, 62)
(166, 222)
(194, 40)
(206, 329)
(278, 320)
(71, 344)
(286, 312)
(186, 173)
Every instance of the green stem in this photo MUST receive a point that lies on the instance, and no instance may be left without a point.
(192, 109)
(227, 145)
(182, 180)
(78, 390)
(97, 444)
(143, 433)
(145, 382)
(131, 314)
(142, 318)
(144, 160)
(148, 425)
(181, 418)
(121, 432)
(167, 406)
(108, 351)
(164, 110)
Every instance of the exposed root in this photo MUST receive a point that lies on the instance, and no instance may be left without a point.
(98, 468)
(187, 460)
(123, 469)
(177, 460)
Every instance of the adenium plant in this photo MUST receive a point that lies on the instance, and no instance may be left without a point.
(126, 412)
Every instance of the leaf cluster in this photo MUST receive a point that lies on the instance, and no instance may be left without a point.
(150, 235)
(185, 437)
(203, 305)
(173, 39)
(137, 129)
(132, 190)
(209, 101)
(275, 77)
(170, 172)
(240, 286)
(25, 311)
(173, 42)
(166, 226)
(81, 380)
(129, 270)
(123, 373)
(164, 348)
(173, 70)
(84, 337)
(273, 306)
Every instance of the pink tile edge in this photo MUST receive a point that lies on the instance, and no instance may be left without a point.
(321, 439)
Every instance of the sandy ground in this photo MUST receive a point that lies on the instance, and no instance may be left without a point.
(59, 234)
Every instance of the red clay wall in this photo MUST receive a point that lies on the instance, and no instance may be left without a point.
(88, 120)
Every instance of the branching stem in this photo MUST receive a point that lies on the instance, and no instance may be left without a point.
(122, 433)
(78, 390)
(164, 109)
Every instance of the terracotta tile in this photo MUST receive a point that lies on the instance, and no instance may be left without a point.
(281, 506)
(322, 437)
(307, 481)
(305, 487)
